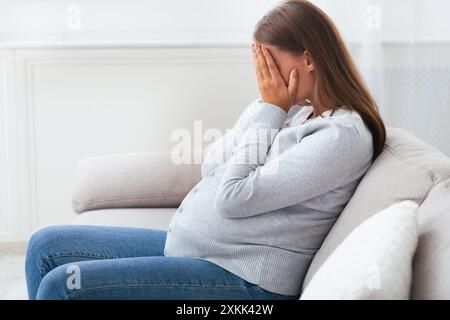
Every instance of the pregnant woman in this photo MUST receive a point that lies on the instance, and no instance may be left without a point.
(271, 188)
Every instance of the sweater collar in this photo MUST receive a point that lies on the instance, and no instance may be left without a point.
(298, 114)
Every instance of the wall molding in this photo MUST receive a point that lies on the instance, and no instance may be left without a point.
(196, 42)
(5, 171)
(30, 61)
(237, 43)
(18, 81)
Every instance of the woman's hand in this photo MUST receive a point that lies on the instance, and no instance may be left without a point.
(271, 85)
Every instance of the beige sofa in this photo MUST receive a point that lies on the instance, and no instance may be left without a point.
(144, 190)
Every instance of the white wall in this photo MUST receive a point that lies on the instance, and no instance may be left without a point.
(144, 22)
(136, 70)
(103, 22)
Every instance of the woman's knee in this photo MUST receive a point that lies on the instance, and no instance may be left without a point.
(59, 283)
(44, 240)
(41, 245)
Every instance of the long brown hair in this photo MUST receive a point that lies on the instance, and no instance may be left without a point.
(299, 25)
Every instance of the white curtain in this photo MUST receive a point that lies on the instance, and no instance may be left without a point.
(403, 50)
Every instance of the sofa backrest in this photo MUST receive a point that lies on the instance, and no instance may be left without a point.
(431, 265)
(407, 169)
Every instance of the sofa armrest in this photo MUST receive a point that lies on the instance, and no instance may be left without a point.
(136, 180)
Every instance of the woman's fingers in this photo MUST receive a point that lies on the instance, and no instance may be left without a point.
(270, 80)
(262, 63)
(256, 64)
(292, 87)
(273, 69)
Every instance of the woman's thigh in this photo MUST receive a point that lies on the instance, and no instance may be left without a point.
(55, 246)
(149, 278)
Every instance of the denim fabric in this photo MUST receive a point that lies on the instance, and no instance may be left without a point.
(92, 262)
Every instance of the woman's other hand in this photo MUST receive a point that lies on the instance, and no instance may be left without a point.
(270, 83)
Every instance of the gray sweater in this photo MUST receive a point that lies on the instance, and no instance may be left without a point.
(272, 188)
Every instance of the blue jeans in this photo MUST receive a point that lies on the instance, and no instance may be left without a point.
(92, 262)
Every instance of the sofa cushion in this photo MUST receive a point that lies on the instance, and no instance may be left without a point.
(432, 260)
(406, 170)
(134, 180)
(374, 260)
(154, 218)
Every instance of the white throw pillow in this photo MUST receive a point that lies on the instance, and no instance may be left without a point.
(373, 262)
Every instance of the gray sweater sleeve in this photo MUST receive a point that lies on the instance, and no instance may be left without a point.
(319, 163)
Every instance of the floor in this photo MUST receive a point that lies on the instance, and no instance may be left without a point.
(12, 277)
